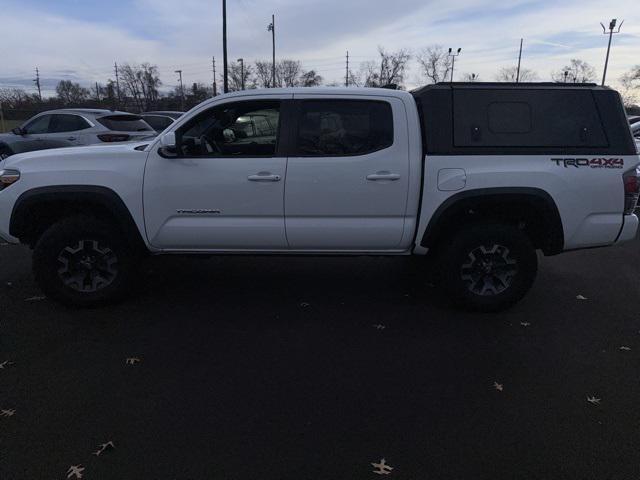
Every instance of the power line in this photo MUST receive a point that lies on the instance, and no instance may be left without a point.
(179, 72)
(346, 75)
(224, 46)
(215, 87)
(117, 84)
(37, 81)
(519, 60)
(272, 28)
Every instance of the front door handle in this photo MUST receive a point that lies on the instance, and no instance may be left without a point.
(383, 176)
(264, 177)
(72, 139)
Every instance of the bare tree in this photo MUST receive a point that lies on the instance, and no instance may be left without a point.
(310, 79)
(578, 70)
(71, 93)
(263, 73)
(288, 73)
(510, 74)
(630, 82)
(435, 63)
(16, 97)
(389, 69)
(141, 84)
(235, 77)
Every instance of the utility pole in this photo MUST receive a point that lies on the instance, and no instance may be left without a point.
(519, 60)
(453, 60)
(215, 86)
(612, 25)
(117, 84)
(272, 28)
(225, 73)
(346, 76)
(37, 82)
(97, 92)
(179, 72)
(241, 60)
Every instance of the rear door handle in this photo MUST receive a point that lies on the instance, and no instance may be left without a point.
(383, 176)
(264, 177)
(72, 139)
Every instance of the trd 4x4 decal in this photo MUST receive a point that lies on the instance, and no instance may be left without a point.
(589, 162)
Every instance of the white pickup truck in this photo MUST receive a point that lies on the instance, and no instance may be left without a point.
(480, 176)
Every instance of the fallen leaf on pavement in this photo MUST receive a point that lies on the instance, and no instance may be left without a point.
(75, 470)
(132, 360)
(382, 468)
(379, 326)
(498, 386)
(580, 297)
(525, 324)
(7, 413)
(625, 348)
(34, 299)
(6, 363)
(593, 400)
(104, 446)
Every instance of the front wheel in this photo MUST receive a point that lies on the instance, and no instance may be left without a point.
(84, 262)
(488, 267)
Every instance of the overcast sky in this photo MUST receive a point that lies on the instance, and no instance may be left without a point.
(81, 39)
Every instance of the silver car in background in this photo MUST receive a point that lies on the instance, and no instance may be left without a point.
(74, 127)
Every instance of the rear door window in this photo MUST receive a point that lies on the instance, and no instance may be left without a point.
(125, 123)
(343, 127)
(67, 123)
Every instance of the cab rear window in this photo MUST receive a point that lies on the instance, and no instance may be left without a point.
(125, 123)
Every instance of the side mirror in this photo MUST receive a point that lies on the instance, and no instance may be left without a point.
(168, 140)
(18, 131)
(168, 145)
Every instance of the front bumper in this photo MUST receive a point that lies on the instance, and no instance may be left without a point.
(629, 229)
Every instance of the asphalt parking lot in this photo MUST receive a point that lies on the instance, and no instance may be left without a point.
(307, 368)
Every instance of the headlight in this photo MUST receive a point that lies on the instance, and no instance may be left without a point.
(8, 177)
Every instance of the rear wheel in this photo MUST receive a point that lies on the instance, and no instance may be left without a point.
(488, 267)
(83, 261)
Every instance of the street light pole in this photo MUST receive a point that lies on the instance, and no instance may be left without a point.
(453, 60)
(241, 60)
(612, 26)
(224, 46)
(272, 28)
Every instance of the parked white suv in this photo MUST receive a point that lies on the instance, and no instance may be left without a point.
(479, 176)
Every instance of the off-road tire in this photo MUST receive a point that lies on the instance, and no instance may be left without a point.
(84, 262)
(487, 267)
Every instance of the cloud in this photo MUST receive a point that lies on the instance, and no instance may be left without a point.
(185, 35)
